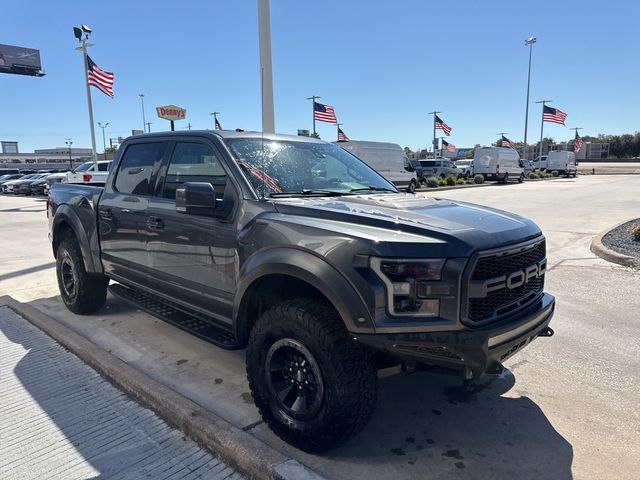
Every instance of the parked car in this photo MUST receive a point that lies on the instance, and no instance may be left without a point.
(466, 167)
(498, 163)
(53, 179)
(417, 167)
(540, 163)
(7, 187)
(440, 168)
(388, 159)
(8, 177)
(307, 256)
(38, 187)
(23, 185)
(8, 171)
(563, 162)
(90, 173)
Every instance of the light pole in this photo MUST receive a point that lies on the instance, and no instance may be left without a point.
(144, 120)
(104, 142)
(266, 75)
(68, 142)
(149, 127)
(529, 41)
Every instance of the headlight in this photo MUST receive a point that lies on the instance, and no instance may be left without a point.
(409, 282)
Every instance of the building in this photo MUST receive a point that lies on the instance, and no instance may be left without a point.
(42, 159)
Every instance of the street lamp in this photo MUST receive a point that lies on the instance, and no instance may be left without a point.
(144, 120)
(104, 142)
(529, 41)
(68, 142)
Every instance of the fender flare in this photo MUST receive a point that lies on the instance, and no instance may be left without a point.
(66, 214)
(312, 269)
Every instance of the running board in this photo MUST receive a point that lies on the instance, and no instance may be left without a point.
(178, 316)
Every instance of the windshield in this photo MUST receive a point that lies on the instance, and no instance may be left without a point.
(83, 168)
(298, 167)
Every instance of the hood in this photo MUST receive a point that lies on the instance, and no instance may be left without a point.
(476, 226)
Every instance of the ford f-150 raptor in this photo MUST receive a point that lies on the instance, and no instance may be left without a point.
(297, 250)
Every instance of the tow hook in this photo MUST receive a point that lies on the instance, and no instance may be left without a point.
(547, 332)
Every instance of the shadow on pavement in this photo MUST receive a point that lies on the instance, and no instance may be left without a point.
(26, 271)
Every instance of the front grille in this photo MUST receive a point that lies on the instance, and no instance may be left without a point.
(500, 303)
(496, 265)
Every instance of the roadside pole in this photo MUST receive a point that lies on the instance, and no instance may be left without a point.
(266, 72)
(313, 112)
(529, 41)
(86, 82)
(144, 120)
(543, 102)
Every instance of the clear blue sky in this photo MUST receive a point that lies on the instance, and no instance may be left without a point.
(383, 65)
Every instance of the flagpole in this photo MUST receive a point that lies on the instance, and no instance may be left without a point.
(86, 82)
(337, 131)
(313, 111)
(543, 102)
(434, 113)
(215, 119)
(575, 136)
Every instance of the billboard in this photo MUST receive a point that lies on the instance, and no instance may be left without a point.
(20, 60)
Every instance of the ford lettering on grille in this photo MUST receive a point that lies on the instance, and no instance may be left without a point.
(481, 288)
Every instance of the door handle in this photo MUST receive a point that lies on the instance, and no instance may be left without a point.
(155, 223)
(106, 214)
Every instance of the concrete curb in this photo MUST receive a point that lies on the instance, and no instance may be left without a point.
(241, 450)
(612, 256)
(452, 187)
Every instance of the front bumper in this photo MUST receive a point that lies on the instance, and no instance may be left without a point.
(471, 352)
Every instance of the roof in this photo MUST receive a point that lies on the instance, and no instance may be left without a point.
(229, 134)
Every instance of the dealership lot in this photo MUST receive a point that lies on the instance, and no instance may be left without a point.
(568, 406)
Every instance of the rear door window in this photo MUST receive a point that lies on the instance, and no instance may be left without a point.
(136, 167)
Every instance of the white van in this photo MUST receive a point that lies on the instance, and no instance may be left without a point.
(498, 163)
(562, 161)
(388, 159)
(540, 163)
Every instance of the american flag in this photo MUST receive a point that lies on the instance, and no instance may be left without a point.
(440, 125)
(218, 126)
(99, 78)
(324, 113)
(506, 142)
(263, 177)
(341, 136)
(450, 147)
(553, 115)
(578, 143)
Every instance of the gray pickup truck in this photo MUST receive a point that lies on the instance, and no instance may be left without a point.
(298, 251)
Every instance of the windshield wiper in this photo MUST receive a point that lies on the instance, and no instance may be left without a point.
(373, 189)
(308, 192)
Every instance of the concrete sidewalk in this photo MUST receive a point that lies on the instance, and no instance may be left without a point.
(60, 419)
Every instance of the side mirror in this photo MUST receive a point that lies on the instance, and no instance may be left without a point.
(196, 198)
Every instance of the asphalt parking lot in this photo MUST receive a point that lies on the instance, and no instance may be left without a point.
(568, 406)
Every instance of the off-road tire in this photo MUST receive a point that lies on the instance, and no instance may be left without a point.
(347, 368)
(90, 291)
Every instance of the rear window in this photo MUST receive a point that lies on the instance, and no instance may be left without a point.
(136, 166)
(428, 163)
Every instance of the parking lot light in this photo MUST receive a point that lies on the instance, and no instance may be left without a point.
(529, 41)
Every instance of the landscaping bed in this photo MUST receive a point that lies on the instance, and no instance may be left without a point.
(621, 240)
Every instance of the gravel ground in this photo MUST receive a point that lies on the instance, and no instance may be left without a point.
(620, 240)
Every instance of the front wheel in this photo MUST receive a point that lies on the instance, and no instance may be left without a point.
(521, 178)
(313, 384)
(412, 187)
(81, 293)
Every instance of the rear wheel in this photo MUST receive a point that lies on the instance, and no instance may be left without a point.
(81, 293)
(312, 383)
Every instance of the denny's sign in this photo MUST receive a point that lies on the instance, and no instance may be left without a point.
(171, 113)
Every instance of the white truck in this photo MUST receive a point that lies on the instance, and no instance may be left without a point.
(90, 173)
(388, 159)
(498, 163)
(563, 162)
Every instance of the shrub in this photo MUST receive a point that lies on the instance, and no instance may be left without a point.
(469, 182)
(478, 179)
(442, 182)
(460, 181)
(635, 232)
(450, 180)
(432, 182)
(555, 173)
(533, 175)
